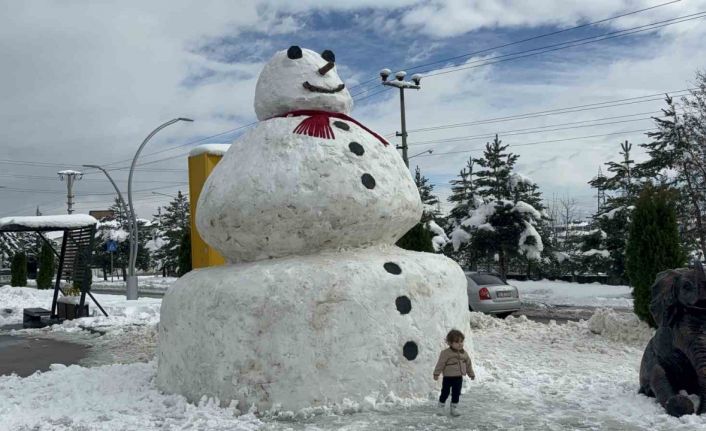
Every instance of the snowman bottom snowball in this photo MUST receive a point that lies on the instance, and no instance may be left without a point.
(311, 330)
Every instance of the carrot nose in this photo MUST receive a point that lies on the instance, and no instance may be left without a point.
(324, 70)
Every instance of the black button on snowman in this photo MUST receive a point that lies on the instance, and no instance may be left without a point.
(316, 304)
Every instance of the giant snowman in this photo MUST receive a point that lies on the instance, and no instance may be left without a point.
(316, 304)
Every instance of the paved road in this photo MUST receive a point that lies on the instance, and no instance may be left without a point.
(25, 355)
(563, 313)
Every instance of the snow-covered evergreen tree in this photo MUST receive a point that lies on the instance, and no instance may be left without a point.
(677, 152)
(621, 187)
(174, 221)
(501, 225)
(118, 229)
(462, 195)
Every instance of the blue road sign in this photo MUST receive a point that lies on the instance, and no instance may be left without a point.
(111, 246)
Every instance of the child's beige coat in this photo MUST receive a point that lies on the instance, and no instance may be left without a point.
(454, 363)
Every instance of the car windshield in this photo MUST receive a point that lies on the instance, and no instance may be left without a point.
(486, 279)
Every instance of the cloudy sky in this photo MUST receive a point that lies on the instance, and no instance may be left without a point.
(84, 82)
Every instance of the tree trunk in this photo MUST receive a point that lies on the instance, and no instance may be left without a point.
(105, 274)
(124, 270)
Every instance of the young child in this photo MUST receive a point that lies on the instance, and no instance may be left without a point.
(453, 363)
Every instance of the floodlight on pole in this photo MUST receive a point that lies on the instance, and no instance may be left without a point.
(403, 85)
(71, 177)
(132, 276)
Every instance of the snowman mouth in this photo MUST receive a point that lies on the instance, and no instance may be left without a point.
(317, 89)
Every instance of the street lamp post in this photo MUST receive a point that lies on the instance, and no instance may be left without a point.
(132, 276)
(123, 207)
(400, 83)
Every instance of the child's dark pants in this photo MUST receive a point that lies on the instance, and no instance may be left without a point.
(453, 385)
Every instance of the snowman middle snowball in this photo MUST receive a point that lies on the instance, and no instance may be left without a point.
(278, 193)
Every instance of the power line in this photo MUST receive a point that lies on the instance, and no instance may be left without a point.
(543, 142)
(560, 46)
(185, 144)
(570, 44)
(557, 111)
(517, 42)
(541, 129)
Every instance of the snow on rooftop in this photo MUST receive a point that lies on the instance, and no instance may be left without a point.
(212, 149)
(58, 222)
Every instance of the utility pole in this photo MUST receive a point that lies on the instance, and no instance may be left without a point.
(71, 177)
(601, 190)
(402, 85)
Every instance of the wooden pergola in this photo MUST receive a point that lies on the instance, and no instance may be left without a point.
(74, 257)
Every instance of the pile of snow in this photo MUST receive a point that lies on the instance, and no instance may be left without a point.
(111, 397)
(620, 327)
(546, 292)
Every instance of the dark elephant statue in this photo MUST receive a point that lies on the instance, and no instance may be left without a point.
(675, 358)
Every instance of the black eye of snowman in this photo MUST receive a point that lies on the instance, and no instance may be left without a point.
(294, 52)
(329, 56)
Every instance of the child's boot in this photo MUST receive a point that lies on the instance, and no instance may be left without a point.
(453, 410)
(440, 408)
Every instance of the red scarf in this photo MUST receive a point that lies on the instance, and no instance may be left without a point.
(317, 124)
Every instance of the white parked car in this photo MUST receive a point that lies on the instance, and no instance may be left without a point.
(488, 294)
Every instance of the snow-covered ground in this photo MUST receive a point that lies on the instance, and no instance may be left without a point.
(121, 312)
(530, 376)
(145, 282)
(546, 292)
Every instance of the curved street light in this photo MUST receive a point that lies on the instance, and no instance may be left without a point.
(132, 277)
(115, 186)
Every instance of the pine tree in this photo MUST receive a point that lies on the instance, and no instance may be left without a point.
(653, 245)
(419, 238)
(47, 267)
(429, 200)
(118, 230)
(623, 185)
(678, 159)
(18, 270)
(174, 221)
(462, 194)
(493, 180)
(501, 224)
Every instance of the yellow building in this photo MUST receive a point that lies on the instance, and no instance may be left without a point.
(202, 160)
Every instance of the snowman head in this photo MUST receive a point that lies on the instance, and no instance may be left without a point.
(297, 79)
